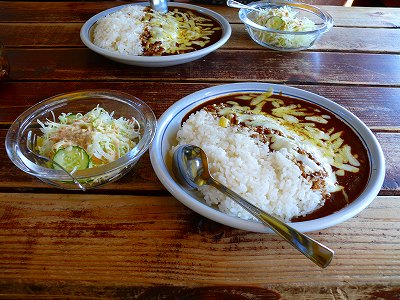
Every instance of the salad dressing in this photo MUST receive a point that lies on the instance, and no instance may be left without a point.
(79, 141)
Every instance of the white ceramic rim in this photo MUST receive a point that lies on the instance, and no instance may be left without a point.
(157, 60)
(186, 104)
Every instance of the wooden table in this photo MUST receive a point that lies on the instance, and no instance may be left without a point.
(132, 239)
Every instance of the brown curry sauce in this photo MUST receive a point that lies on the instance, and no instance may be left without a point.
(212, 39)
(353, 183)
(157, 50)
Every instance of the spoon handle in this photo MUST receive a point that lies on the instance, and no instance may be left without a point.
(30, 145)
(315, 251)
(235, 4)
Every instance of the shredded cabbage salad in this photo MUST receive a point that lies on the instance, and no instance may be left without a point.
(98, 133)
(284, 19)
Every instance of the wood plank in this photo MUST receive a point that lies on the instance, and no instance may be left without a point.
(130, 240)
(143, 180)
(382, 40)
(392, 180)
(384, 17)
(58, 12)
(272, 66)
(56, 289)
(377, 107)
(41, 34)
(33, 12)
(359, 40)
(338, 39)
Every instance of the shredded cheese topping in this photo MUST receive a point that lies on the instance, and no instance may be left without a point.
(139, 30)
(178, 31)
(293, 127)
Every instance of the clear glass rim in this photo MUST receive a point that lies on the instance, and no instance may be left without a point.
(325, 17)
(20, 125)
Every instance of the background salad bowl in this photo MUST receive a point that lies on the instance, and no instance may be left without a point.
(20, 146)
(288, 26)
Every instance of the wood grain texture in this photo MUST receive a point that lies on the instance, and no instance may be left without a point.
(392, 181)
(119, 240)
(272, 66)
(59, 12)
(84, 290)
(381, 40)
(131, 239)
(377, 107)
(357, 39)
(143, 180)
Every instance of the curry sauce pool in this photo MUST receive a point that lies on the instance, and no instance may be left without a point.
(287, 156)
(139, 30)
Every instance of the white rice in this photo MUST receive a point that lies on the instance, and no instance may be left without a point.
(269, 180)
(121, 31)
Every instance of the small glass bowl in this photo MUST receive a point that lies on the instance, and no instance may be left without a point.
(122, 104)
(286, 40)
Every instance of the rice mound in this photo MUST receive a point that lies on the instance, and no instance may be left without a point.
(137, 30)
(121, 31)
(268, 179)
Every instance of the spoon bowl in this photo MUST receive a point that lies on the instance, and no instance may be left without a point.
(190, 167)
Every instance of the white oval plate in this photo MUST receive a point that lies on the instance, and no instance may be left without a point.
(170, 122)
(157, 61)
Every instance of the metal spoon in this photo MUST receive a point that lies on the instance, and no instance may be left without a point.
(159, 5)
(30, 145)
(190, 167)
(235, 4)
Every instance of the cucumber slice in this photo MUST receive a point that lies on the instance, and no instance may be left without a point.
(70, 158)
(71, 118)
(275, 22)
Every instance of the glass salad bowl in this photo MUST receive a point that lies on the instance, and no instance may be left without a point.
(285, 26)
(83, 139)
